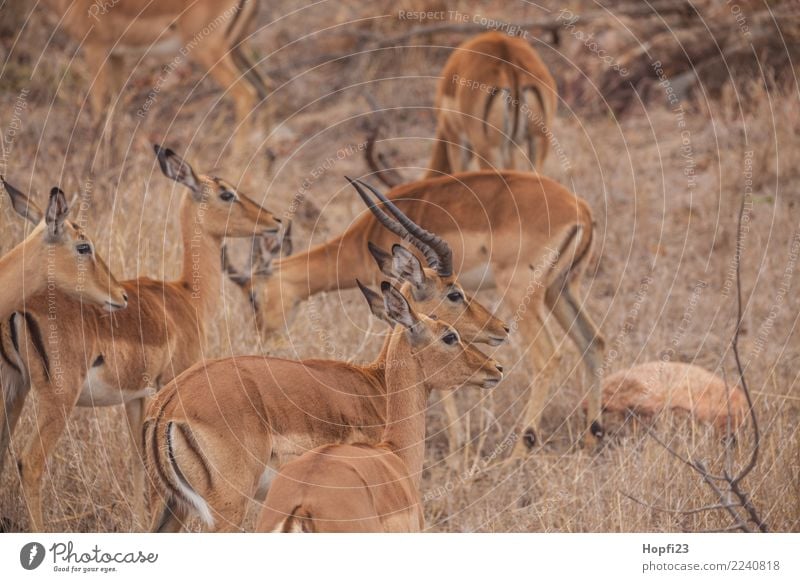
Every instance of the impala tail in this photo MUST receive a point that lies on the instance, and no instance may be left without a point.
(164, 442)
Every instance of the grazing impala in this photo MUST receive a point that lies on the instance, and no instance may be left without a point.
(521, 232)
(495, 98)
(126, 358)
(211, 32)
(364, 487)
(215, 434)
(58, 253)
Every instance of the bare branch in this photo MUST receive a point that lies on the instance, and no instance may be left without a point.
(377, 163)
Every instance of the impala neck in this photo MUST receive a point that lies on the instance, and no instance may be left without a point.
(406, 402)
(20, 277)
(201, 275)
(335, 264)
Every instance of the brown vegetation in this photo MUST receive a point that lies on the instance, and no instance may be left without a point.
(664, 181)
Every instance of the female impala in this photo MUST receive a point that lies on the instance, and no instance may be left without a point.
(215, 434)
(375, 487)
(58, 253)
(124, 359)
(521, 232)
(495, 96)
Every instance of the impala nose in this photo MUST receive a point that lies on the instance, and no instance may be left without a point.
(508, 329)
(499, 368)
(125, 297)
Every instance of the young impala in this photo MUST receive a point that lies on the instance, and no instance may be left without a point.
(375, 487)
(520, 232)
(57, 253)
(211, 32)
(496, 97)
(126, 358)
(215, 434)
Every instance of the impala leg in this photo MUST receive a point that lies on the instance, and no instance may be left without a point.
(95, 57)
(222, 67)
(523, 298)
(540, 347)
(15, 390)
(567, 307)
(52, 412)
(440, 162)
(459, 154)
(134, 410)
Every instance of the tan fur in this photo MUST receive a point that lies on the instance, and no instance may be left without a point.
(103, 360)
(375, 488)
(655, 387)
(249, 413)
(210, 32)
(532, 234)
(49, 256)
(503, 107)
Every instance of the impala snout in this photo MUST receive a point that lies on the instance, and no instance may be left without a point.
(494, 373)
(116, 303)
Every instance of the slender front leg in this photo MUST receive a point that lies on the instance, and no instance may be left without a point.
(15, 390)
(52, 412)
(134, 410)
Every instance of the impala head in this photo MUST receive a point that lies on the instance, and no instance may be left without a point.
(263, 253)
(436, 348)
(62, 255)
(221, 209)
(433, 289)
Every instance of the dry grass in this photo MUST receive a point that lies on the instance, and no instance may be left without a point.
(660, 286)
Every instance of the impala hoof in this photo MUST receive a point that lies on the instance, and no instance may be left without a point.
(529, 439)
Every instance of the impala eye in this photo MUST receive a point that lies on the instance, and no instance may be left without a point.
(228, 196)
(455, 296)
(84, 249)
(450, 339)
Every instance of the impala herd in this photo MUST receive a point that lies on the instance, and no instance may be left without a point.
(322, 445)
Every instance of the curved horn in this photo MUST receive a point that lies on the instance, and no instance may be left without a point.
(444, 255)
(432, 257)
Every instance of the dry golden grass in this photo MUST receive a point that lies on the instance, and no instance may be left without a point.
(660, 286)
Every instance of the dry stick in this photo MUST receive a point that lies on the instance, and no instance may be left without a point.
(733, 482)
(377, 164)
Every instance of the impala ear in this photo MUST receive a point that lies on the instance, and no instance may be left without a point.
(375, 303)
(397, 308)
(407, 266)
(382, 258)
(22, 205)
(401, 264)
(175, 167)
(56, 213)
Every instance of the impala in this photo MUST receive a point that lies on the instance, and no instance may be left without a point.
(521, 232)
(211, 32)
(495, 97)
(57, 253)
(126, 358)
(215, 434)
(375, 487)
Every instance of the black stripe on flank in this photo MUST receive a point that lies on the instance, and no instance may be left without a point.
(3, 353)
(13, 328)
(36, 340)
